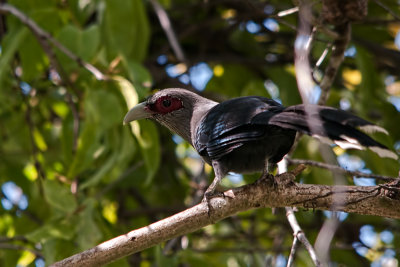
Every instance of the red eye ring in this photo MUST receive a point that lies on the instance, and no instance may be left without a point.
(165, 104)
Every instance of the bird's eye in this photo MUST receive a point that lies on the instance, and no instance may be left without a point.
(166, 103)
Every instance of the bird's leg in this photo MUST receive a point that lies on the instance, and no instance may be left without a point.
(266, 169)
(219, 174)
(266, 177)
(211, 189)
(266, 174)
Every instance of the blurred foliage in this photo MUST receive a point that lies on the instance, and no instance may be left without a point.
(72, 175)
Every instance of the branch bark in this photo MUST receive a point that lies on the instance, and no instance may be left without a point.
(381, 200)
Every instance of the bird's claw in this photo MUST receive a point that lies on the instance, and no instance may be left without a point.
(208, 195)
(268, 179)
(211, 194)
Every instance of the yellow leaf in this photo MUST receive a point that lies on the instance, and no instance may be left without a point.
(127, 90)
(228, 13)
(218, 70)
(61, 109)
(30, 172)
(26, 258)
(352, 77)
(39, 140)
(110, 212)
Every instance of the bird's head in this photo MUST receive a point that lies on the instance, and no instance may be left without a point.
(178, 109)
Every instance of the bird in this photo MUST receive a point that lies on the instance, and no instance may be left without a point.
(248, 134)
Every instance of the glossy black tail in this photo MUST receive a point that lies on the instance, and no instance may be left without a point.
(333, 125)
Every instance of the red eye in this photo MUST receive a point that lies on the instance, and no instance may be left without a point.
(166, 104)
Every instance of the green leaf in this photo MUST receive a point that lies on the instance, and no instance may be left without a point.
(147, 135)
(13, 41)
(371, 83)
(162, 260)
(103, 111)
(125, 29)
(83, 43)
(127, 91)
(58, 249)
(246, 42)
(101, 172)
(104, 108)
(88, 234)
(139, 75)
(33, 59)
(59, 196)
(254, 87)
(232, 81)
(286, 81)
(67, 139)
(87, 142)
(60, 229)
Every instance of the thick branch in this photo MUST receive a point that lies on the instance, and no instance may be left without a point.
(369, 200)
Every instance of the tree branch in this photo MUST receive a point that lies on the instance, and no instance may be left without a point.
(299, 235)
(23, 248)
(293, 250)
(283, 192)
(336, 59)
(169, 31)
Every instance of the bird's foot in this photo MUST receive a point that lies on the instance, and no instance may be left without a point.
(267, 178)
(208, 195)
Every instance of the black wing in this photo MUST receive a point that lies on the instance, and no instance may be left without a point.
(232, 123)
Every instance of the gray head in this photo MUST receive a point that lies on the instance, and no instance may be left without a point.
(177, 109)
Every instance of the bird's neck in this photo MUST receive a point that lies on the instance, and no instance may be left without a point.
(200, 110)
(184, 122)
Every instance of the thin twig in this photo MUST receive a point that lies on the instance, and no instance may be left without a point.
(169, 31)
(298, 233)
(339, 169)
(385, 7)
(4, 239)
(293, 250)
(19, 247)
(76, 121)
(336, 59)
(288, 11)
(42, 36)
(323, 56)
(230, 250)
